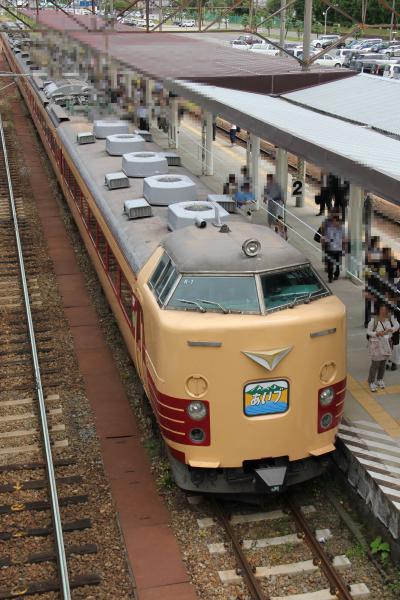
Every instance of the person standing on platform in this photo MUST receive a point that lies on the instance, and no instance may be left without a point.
(394, 361)
(273, 198)
(333, 245)
(325, 195)
(380, 331)
(232, 134)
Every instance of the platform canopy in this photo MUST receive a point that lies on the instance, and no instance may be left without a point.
(182, 55)
(364, 99)
(364, 157)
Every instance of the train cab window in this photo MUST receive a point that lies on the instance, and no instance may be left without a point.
(292, 286)
(216, 293)
(163, 279)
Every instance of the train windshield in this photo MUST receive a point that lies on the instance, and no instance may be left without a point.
(216, 293)
(291, 287)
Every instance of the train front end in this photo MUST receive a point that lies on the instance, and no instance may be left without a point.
(245, 360)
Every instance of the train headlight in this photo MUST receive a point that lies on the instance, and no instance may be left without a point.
(326, 396)
(197, 410)
(326, 421)
(251, 247)
(197, 435)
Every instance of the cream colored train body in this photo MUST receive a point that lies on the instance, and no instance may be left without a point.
(242, 356)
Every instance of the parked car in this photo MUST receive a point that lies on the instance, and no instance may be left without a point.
(328, 60)
(142, 23)
(364, 43)
(267, 49)
(340, 55)
(188, 23)
(324, 38)
(245, 40)
(297, 51)
(392, 71)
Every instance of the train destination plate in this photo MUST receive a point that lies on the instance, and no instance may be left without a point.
(266, 397)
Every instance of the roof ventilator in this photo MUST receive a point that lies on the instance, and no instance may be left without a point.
(137, 209)
(85, 137)
(102, 129)
(198, 213)
(163, 190)
(117, 180)
(123, 143)
(144, 164)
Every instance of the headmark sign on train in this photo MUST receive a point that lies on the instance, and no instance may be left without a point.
(266, 397)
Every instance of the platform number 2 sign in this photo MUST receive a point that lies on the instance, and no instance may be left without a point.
(297, 188)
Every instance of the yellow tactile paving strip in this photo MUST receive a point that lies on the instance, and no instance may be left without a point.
(373, 408)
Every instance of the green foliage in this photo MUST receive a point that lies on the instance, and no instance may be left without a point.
(380, 548)
(245, 20)
(299, 26)
(336, 28)
(357, 551)
(317, 28)
(166, 481)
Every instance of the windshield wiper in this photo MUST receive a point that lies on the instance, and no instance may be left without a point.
(196, 304)
(305, 297)
(222, 308)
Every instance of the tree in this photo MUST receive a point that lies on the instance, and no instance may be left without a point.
(299, 25)
(336, 28)
(317, 27)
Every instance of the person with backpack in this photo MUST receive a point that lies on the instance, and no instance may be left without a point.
(379, 335)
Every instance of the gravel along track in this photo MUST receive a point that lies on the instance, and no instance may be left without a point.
(96, 556)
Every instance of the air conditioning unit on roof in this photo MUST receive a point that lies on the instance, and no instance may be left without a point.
(117, 180)
(136, 209)
(173, 159)
(85, 137)
(146, 135)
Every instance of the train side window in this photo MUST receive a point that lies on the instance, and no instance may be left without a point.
(102, 246)
(92, 226)
(113, 268)
(163, 279)
(126, 296)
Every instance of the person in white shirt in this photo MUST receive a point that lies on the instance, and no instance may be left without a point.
(379, 333)
(333, 242)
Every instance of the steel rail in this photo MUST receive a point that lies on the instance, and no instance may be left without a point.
(338, 587)
(245, 568)
(55, 508)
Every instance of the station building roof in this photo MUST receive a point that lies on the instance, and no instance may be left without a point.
(163, 56)
(363, 99)
(364, 157)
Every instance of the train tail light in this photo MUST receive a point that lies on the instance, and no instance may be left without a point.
(330, 406)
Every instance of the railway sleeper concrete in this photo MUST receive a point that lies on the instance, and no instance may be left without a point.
(359, 591)
(306, 566)
(372, 499)
(322, 536)
(254, 517)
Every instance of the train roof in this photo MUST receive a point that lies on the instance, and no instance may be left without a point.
(195, 250)
(192, 249)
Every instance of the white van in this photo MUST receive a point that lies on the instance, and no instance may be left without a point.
(392, 71)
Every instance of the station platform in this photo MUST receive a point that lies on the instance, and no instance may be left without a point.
(369, 446)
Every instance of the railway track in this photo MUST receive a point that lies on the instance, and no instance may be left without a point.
(254, 558)
(38, 479)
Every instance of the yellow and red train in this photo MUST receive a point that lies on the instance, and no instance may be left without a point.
(238, 342)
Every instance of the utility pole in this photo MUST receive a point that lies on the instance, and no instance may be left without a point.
(282, 31)
(307, 32)
(392, 20)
